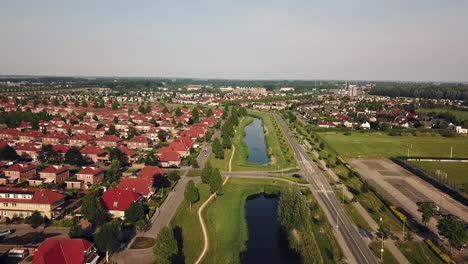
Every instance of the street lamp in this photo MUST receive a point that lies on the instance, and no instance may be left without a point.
(381, 248)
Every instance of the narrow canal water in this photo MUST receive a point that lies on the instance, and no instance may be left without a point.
(267, 243)
(255, 140)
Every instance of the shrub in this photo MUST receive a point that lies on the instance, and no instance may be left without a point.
(439, 252)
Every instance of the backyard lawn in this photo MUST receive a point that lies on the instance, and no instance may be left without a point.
(380, 145)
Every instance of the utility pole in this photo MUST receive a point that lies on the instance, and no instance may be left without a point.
(451, 152)
(343, 192)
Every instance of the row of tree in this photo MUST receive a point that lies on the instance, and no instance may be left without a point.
(452, 92)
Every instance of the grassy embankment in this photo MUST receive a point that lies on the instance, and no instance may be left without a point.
(227, 227)
(279, 150)
(388, 258)
(458, 114)
(381, 145)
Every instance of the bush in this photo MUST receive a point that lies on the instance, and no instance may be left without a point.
(439, 252)
(347, 133)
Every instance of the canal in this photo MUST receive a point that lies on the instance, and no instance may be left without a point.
(267, 242)
(255, 140)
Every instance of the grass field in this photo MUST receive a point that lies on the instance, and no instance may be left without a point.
(457, 172)
(418, 253)
(227, 227)
(279, 150)
(379, 145)
(186, 220)
(458, 114)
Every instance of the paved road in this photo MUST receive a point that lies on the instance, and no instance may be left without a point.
(160, 219)
(354, 247)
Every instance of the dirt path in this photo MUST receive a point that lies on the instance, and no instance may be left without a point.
(200, 218)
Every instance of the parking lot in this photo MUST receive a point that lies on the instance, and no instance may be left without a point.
(404, 189)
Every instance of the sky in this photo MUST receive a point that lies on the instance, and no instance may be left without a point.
(421, 40)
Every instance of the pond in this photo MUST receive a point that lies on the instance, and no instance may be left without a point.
(255, 140)
(267, 242)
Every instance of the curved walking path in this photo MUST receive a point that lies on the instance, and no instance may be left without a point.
(200, 217)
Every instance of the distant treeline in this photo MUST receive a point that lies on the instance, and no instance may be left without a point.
(430, 91)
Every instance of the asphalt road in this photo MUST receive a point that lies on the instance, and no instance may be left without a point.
(324, 194)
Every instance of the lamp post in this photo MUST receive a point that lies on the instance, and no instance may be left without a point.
(381, 248)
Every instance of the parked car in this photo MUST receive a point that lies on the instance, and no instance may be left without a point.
(5, 233)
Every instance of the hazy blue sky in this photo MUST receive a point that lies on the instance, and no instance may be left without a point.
(326, 39)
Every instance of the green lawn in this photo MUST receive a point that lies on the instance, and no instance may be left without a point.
(458, 114)
(380, 145)
(457, 172)
(418, 253)
(279, 150)
(227, 227)
(187, 221)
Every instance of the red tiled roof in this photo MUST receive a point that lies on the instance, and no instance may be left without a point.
(61, 148)
(119, 200)
(90, 171)
(84, 137)
(169, 156)
(40, 196)
(139, 139)
(26, 147)
(178, 146)
(92, 150)
(141, 185)
(187, 141)
(62, 251)
(55, 169)
(150, 171)
(56, 135)
(110, 138)
(127, 151)
(21, 167)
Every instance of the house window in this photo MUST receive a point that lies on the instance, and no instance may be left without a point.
(5, 204)
(13, 204)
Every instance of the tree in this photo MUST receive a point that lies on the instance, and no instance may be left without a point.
(35, 220)
(108, 237)
(216, 182)
(209, 112)
(114, 173)
(428, 210)
(112, 130)
(191, 193)
(8, 153)
(293, 211)
(134, 213)
(116, 119)
(74, 157)
(76, 231)
(322, 145)
(162, 135)
(453, 228)
(116, 154)
(206, 172)
(195, 115)
(48, 154)
(173, 175)
(115, 105)
(165, 248)
(91, 209)
(178, 112)
(227, 144)
(218, 149)
(84, 104)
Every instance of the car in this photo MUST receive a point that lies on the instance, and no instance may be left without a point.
(296, 175)
(5, 233)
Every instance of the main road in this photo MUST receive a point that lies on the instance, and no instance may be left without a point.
(351, 242)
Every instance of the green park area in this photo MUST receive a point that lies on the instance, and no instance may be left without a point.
(381, 145)
(460, 115)
(453, 173)
(279, 150)
(418, 252)
(227, 226)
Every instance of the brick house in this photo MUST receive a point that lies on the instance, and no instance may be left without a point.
(23, 202)
(116, 201)
(28, 149)
(138, 142)
(81, 140)
(54, 138)
(170, 159)
(109, 141)
(18, 173)
(94, 153)
(89, 176)
(53, 173)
